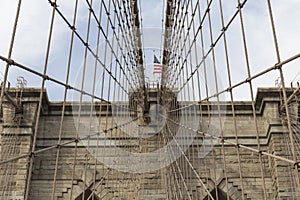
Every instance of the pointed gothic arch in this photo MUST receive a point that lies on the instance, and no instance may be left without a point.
(86, 195)
(217, 193)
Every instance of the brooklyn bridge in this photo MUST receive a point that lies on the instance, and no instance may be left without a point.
(140, 99)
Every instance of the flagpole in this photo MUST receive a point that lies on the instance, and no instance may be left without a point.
(153, 67)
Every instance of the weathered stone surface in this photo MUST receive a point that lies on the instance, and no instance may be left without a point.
(220, 164)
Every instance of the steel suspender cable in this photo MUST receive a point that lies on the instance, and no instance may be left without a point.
(105, 129)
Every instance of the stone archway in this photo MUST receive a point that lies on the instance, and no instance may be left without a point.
(87, 195)
(217, 193)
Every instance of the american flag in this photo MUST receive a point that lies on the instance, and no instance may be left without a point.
(157, 66)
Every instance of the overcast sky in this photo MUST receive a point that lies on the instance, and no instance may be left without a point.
(33, 28)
